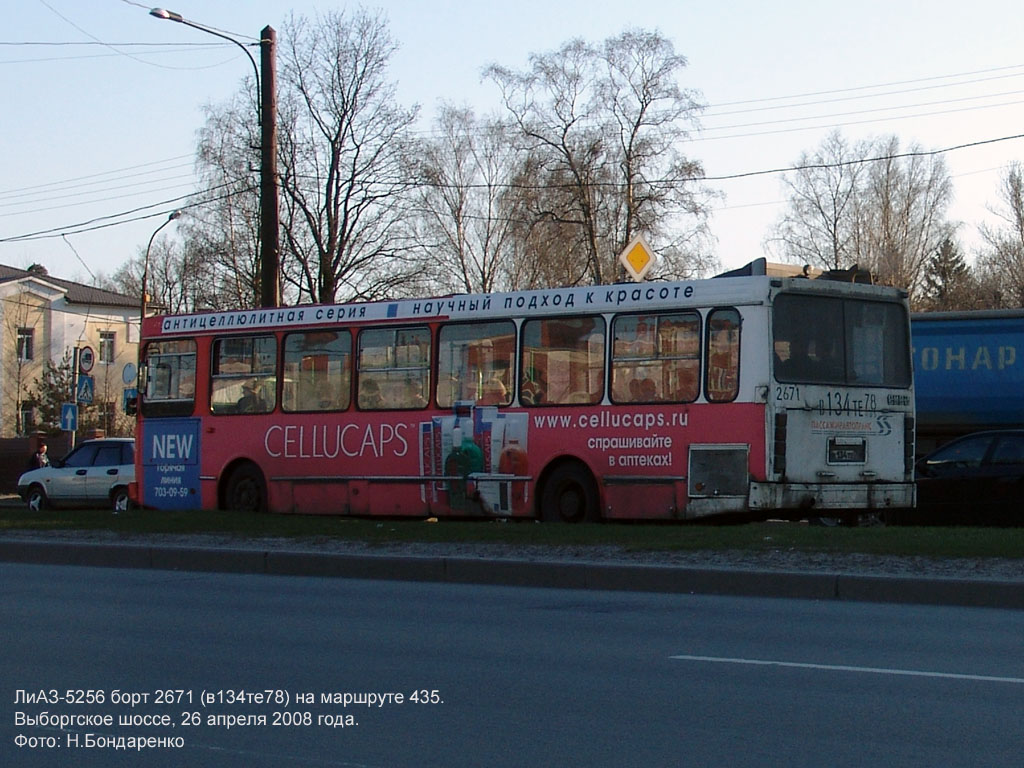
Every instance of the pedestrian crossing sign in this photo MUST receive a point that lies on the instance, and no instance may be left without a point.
(85, 389)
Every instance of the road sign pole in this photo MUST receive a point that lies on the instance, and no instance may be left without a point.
(74, 387)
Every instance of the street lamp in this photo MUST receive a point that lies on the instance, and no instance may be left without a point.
(145, 267)
(266, 114)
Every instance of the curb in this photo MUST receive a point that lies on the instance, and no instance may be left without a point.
(528, 573)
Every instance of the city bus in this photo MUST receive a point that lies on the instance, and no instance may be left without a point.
(750, 397)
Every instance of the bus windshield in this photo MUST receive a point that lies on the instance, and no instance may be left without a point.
(829, 340)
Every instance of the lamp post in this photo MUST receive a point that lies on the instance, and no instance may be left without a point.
(266, 114)
(145, 268)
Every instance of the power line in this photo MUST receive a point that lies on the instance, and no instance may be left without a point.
(860, 96)
(16, 190)
(870, 111)
(852, 122)
(91, 202)
(91, 43)
(103, 222)
(83, 57)
(867, 87)
(93, 224)
(863, 161)
(728, 177)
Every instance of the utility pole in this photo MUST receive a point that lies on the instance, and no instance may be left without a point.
(270, 295)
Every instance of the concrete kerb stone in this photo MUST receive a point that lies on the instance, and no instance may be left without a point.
(934, 591)
(291, 563)
(73, 553)
(212, 559)
(527, 573)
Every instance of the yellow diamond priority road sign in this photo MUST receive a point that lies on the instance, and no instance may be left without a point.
(638, 258)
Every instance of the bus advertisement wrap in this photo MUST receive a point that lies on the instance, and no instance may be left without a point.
(170, 460)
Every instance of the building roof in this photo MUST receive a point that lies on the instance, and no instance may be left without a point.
(75, 293)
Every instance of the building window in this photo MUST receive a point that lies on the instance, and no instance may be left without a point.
(28, 418)
(26, 346)
(107, 346)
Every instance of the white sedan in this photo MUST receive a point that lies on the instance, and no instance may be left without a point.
(95, 474)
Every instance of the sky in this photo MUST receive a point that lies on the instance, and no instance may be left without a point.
(103, 102)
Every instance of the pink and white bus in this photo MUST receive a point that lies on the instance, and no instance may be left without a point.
(751, 396)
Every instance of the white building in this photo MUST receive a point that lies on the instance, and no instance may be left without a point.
(43, 318)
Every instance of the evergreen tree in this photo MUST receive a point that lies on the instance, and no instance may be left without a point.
(52, 389)
(947, 282)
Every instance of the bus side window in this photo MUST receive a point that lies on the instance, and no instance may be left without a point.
(244, 375)
(723, 356)
(317, 371)
(563, 361)
(394, 368)
(656, 358)
(475, 362)
(167, 378)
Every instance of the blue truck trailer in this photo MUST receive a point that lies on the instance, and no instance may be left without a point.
(968, 373)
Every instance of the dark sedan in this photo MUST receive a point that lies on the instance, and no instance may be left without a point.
(977, 479)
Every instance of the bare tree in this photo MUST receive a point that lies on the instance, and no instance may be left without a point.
(818, 226)
(603, 125)
(180, 279)
(24, 315)
(1003, 256)
(221, 232)
(469, 202)
(901, 218)
(652, 117)
(344, 165)
(871, 205)
(343, 173)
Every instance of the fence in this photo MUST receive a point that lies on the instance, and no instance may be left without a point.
(16, 451)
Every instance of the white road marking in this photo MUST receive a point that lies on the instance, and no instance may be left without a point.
(840, 668)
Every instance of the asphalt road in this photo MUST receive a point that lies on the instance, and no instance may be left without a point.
(505, 676)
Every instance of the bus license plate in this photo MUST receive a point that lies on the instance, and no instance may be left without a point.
(846, 450)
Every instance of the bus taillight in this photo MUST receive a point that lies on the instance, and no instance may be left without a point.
(779, 452)
(909, 437)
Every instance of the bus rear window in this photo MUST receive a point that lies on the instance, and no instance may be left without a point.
(169, 388)
(830, 340)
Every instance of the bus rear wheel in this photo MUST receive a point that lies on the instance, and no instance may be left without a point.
(246, 491)
(569, 496)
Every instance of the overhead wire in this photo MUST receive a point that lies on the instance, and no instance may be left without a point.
(93, 224)
(103, 222)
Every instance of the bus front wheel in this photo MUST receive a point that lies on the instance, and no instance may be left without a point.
(569, 496)
(246, 491)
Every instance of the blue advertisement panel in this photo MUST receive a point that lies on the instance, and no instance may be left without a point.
(969, 370)
(170, 458)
